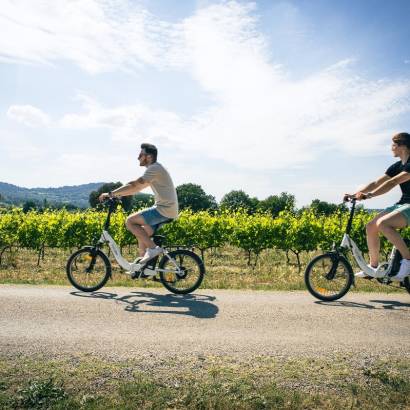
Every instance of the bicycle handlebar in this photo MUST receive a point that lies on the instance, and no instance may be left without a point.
(349, 198)
(112, 200)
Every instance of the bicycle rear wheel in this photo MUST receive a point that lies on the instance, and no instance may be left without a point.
(406, 283)
(88, 270)
(184, 278)
(329, 276)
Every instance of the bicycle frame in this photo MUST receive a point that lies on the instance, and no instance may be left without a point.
(129, 267)
(106, 237)
(348, 243)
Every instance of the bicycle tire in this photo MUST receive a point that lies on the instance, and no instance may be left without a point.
(180, 256)
(327, 261)
(406, 283)
(85, 256)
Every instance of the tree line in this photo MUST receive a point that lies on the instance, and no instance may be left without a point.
(193, 197)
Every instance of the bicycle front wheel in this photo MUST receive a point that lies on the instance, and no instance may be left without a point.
(88, 270)
(328, 277)
(182, 271)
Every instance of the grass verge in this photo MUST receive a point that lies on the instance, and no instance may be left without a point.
(205, 383)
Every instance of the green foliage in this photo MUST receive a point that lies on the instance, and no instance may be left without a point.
(9, 225)
(192, 196)
(29, 206)
(252, 233)
(127, 201)
(274, 204)
(304, 231)
(239, 200)
(41, 394)
(142, 200)
(201, 229)
(325, 208)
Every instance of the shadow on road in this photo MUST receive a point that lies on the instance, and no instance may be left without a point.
(391, 304)
(378, 304)
(199, 306)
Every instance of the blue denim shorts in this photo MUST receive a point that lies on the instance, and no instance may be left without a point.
(153, 218)
(404, 209)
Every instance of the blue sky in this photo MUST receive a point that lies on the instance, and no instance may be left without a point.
(266, 96)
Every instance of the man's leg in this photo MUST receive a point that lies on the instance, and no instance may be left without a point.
(135, 223)
(373, 239)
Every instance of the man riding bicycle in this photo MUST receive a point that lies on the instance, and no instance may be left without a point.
(144, 223)
(394, 217)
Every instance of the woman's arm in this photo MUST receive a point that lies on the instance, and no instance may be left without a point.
(388, 185)
(374, 185)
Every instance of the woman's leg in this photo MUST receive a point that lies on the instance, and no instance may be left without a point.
(388, 225)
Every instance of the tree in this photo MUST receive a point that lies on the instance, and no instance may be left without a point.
(325, 208)
(236, 200)
(142, 200)
(192, 196)
(29, 206)
(277, 203)
(110, 186)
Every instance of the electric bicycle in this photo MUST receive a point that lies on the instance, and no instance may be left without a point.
(330, 276)
(180, 270)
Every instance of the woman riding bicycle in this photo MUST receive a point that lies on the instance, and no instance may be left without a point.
(394, 217)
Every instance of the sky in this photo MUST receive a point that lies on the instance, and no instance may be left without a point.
(267, 96)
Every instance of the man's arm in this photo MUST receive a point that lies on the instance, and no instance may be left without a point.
(389, 184)
(130, 188)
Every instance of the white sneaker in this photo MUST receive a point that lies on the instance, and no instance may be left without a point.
(149, 254)
(403, 271)
(363, 275)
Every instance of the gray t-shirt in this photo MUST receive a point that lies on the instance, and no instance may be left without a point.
(166, 199)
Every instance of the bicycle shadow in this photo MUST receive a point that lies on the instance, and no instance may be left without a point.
(380, 304)
(198, 306)
(391, 304)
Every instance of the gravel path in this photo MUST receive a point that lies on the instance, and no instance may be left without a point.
(128, 322)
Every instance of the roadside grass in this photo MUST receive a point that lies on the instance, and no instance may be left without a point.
(226, 268)
(205, 383)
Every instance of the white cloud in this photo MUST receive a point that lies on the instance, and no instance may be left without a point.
(260, 118)
(28, 115)
(96, 35)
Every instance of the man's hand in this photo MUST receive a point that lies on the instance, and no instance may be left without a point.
(104, 196)
(360, 196)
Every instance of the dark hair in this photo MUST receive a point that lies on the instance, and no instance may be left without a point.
(150, 150)
(402, 138)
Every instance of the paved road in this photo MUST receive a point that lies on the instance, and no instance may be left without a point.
(126, 322)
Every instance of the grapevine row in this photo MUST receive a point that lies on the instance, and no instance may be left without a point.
(289, 232)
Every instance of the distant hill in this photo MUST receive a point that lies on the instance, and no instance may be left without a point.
(76, 195)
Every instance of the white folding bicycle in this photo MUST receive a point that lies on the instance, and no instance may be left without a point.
(329, 276)
(180, 270)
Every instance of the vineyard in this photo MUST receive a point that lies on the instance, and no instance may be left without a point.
(292, 233)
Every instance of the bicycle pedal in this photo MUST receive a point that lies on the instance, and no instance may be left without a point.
(136, 274)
